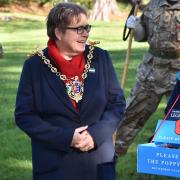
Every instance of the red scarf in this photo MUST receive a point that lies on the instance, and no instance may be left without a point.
(74, 67)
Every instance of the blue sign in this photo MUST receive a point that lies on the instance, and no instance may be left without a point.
(166, 133)
(154, 159)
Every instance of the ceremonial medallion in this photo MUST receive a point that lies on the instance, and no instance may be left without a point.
(75, 89)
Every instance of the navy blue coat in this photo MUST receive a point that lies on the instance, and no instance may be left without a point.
(45, 112)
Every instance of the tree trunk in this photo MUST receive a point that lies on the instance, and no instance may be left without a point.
(103, 9)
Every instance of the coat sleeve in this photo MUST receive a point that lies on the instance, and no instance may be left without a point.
(113, 113)
(30, 121)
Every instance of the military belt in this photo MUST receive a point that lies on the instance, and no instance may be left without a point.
(165, 54)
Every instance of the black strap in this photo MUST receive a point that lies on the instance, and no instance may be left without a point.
(126, 34)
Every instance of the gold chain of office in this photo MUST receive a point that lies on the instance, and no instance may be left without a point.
(63, 76)
(74, 86)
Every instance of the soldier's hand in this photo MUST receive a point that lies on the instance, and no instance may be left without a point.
(120, 149)
(131, 21)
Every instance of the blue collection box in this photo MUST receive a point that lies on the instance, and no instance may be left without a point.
(166, 133)
(154, 159)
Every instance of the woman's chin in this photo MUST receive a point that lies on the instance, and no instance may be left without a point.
(80, 50)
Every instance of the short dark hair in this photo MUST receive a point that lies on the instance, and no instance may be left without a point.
(61, 16)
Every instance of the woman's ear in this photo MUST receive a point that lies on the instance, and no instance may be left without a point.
(58, 33)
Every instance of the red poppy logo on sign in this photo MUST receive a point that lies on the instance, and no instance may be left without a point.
(177, 130)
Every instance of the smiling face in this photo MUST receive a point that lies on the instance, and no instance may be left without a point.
(72, 41)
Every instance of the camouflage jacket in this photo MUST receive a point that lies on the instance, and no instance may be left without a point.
(161, 24)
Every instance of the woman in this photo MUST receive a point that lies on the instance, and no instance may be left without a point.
(69, 102)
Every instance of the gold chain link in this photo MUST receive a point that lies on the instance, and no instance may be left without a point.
(63, 77)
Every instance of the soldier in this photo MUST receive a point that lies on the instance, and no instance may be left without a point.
(159, 25)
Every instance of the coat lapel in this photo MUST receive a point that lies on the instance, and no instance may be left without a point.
(57, 85)
(90, 82)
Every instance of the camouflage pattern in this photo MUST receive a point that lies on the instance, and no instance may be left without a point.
(156, 75)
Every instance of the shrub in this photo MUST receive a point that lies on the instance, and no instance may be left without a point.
(87, 3)
(5, 2)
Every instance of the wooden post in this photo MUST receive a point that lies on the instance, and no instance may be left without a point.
(127, 62)
(128, 53)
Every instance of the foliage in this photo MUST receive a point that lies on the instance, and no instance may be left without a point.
(4, 2)
(24, 2)
(130, 1)
(124, 1)
(87, 3)
(41, 3)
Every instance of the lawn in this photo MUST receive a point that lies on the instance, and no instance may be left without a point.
(20, 37)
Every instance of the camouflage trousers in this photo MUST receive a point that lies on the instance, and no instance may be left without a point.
(155, 77)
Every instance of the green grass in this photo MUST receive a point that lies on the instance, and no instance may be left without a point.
(21, 36)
